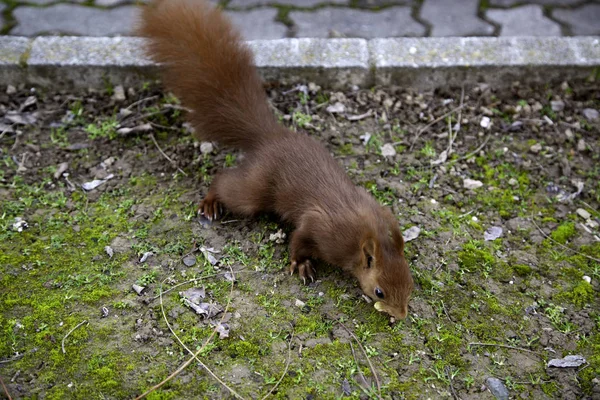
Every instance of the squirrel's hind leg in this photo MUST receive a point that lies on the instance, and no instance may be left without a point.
(238, 190)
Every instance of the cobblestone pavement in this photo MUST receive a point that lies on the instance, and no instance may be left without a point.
(272, 19)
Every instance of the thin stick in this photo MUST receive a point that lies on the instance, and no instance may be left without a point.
(429, 125)
(67, 335)
(162, 308)
(5, 388)
(287, 366)
(450, 379)
(560, 244)
(366, 356)
(195, 355)
(164, 155)
(195, 280)
(129, 107)
(503, 345)
(359, 371)
(477, 150)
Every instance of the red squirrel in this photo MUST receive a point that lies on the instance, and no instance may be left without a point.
(208, 66)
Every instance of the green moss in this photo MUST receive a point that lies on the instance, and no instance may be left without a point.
(580, 295)
(564, 232)
(522, 269)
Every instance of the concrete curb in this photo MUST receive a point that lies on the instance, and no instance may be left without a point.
(423, 63)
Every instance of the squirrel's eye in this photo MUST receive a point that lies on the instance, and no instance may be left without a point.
(369, 261)
(379, 293)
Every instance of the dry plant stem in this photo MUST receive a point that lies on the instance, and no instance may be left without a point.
(285, 370)
(477, 150)
(358, 368)
(5, 388)
(429, 125)
(164, 155)
(560, 244)
(67, 335)
(194, 355)
(195, 280)
(450, 379)
(129, 107)
(366, 356)
(162, 309)
(503, 345)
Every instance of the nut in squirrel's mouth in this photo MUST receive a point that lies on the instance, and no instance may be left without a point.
(379, 306)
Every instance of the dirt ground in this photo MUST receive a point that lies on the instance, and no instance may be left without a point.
(503, 188)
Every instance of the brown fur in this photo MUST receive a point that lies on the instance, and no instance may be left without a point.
(210, 69)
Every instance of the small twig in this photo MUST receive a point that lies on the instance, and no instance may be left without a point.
(477, 150)
(285, 370)
(164, 155)
(506, 346)
(446, 312)
(560, 244)
(194, 355)
(356, 362)
(429, 125)
(67, 335)
(366, 356)
(173, 128)
(195, 280)
(5, 388)
(129, 107)
(144, 116)
(450, 379)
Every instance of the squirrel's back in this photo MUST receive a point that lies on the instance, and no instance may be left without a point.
(209, 68)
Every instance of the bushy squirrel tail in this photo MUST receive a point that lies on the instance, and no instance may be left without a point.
(207, 65)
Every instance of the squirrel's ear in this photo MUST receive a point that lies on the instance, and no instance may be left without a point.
(369, 249)
(397, 237)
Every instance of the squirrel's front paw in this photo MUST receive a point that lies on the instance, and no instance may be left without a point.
(210, 208)
(305, 270)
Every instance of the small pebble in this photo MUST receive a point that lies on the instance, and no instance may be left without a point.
(581, 145)
(10, 89)
(583, 213)
(387, 150)
(513, 182)
(119, 94)
(557, 105)
(569, 134)
(536, 148)
(496, 386)
(189, 260)
(485, 122)
(587, 279)
(590, 114)
(472, 184)
(206, 147)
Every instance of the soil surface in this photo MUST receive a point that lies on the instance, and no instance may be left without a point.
(499, 192)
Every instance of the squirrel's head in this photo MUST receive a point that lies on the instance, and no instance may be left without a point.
(381, 267)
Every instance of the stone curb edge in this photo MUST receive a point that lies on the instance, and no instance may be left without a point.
(422, 63)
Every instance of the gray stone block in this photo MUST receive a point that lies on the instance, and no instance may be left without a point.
(13, 53)
(510, 3)
(455, 18)
(88, 62)
(431, 63)
(336, 63)
(584, 20)
(72, 19)
(524, 21)
(258, 24)
(339, 22)
(295, 3)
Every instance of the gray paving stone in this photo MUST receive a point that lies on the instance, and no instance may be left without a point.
(296, 3)
(527, 20)
(74, 20)
(336, 22)
(380, 3)
(337, 63)
(440, 62)
(584, 20)
(510, 3)
(12, 52)
(455, 18)
(258, 24)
